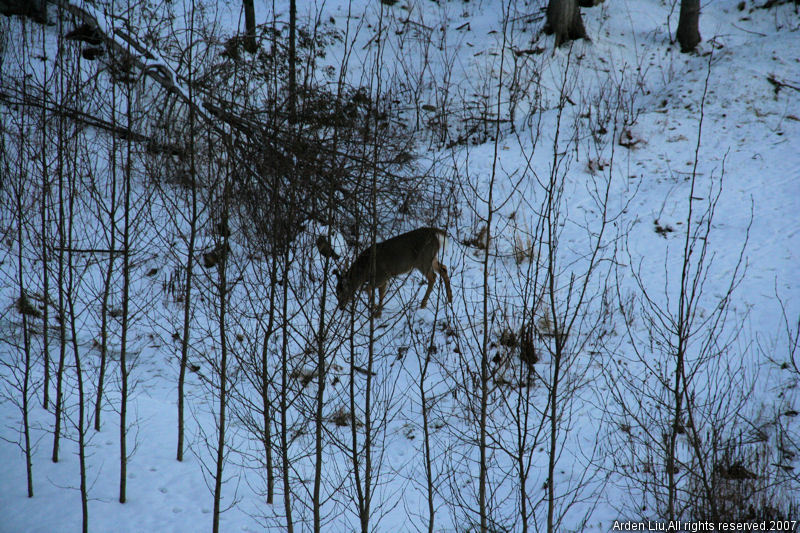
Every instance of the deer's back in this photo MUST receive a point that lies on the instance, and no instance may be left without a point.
(400, 254)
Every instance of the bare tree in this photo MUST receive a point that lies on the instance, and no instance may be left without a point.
(71, 295)
(222, 289)
(26, 342)
(108, 279)
(423, 346)
(14, 201)
(561, 321)
(478, 390)
(190, 249)
(285, 390)
(61, 149)
(682, 404)
(126, 301)
(44, 237)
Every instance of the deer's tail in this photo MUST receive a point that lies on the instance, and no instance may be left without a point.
(441, 235)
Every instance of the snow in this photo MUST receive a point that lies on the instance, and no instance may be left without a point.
(749, 130)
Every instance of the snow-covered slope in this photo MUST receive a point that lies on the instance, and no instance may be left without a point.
(745, 84)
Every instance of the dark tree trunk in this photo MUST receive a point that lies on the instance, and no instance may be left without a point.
(71, 296)
(62, 332)
(223, 385)
(188, 270)
(19, 193)
(250, 26)
(689, 25)
(292, 61)
(564, 20)
(266, 401)
(318, 419)
(126, 284)
(26, 380)
(107, 284)
(284, 393)
(44, 220)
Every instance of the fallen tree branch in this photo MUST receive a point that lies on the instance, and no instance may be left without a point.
(778, 84)
(83, 118)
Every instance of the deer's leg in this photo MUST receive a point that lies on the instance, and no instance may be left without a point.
(431, 279)
(440, 268)
(381, 293)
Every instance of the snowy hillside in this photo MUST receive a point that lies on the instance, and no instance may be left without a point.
(622, 241)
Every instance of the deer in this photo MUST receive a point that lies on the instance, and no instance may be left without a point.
(399, 255)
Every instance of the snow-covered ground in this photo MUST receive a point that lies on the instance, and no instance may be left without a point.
(749, 141)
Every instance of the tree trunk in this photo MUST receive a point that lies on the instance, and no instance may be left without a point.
(188, 269)
(107, 284)
(250, 27)
(266, 401)
(19, 192)
(71, 297)
(223, 381)
(564, 20)
(62, 332)
(689, 25)
(126, 283)
(284, 400)
(318, 419)
(45, 242)
(292, 61)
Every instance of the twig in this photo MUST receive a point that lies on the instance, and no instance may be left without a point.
(749, 31)
(780, 84)
(88, 250)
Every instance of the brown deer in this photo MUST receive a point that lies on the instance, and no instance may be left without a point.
(416, 249)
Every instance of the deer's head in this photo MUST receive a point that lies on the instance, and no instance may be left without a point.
(344, 290)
